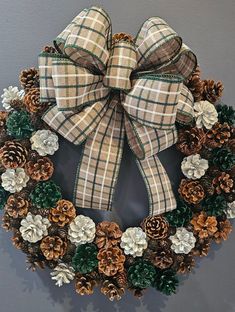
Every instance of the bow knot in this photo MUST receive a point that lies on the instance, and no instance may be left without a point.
(148, 73)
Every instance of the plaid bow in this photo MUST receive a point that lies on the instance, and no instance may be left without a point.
(104, 89)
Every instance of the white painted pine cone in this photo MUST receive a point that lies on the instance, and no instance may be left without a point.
(194, 167)
(230, 212)
(183, 241)
(134, 241)
(205, 114)
(62, 274)
(45, 142)
(10, 94)
(81, 230)
(14, 180)
(34, 228)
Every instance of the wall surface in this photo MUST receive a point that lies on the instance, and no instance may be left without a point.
(207, 26)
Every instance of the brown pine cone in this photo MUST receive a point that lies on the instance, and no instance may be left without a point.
(118, 37)
(40, 169)
(29, 78)
(32, 100)
(49, 49)
(138, 292)
(223, 183)
(202, 247)
(206, 183)
(231, 145)
(108, 234)
(112, 291)
(9, 223)
(53, 247)
(218, 135)
(163, 259)
(204, 226)
(63, 213)
(111, 260)
(120, 279)
(212, 91)
(184, 263)
(17, 239)
(84, 284)
(13, 155)
(196, 85)
(3, 118)
(17, 104)
(191, 191)
(190, 141)
(155, 227)
(35, 262)
(17, 206)
(224, 229)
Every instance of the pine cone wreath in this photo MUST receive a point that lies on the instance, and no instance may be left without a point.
(53, 247)
(204, 226)
(16, 206)
(112, 291)
(223, 183)
(13, 155)
(224, 229)
(184, 263)
(108, 234)
(212, 91)
(196, 85)
(218, 135)
(63, 213)
(84, 284)
(155, 227)
(40, 169)
(111, 261)
(29, 78)
(191, 191)
(202, 247)
(191, 141)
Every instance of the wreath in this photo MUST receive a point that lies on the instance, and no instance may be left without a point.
(71, 95)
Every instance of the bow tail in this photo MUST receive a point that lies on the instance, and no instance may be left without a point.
(161, 196)
(99, 166)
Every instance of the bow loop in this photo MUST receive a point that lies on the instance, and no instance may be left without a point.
(87, 40)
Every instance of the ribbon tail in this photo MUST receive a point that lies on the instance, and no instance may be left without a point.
(99, 166)
(160, 193)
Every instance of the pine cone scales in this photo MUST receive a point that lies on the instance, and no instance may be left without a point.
(163, 259)
(40, 169)
(31, 100)
(191, 191)
(212, 90)
(63, 213)
(112, 291)
(13, 155)
(196, 85)
(223, 183)
(108, 234)
(53, 247)
(17, 206)
(191, 141)
(29, 78)
(111, 261)
(218, 135)
(155, 227)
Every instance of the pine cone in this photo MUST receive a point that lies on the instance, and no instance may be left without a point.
(179, 216)
(184, 263)
(19, 125)
(141, 274)
(166, 281)
(196, 85)
(108, 234)
(112, 291)
(155, 227)
(49, 49)
(32, 100)
(226, 114)
(63, 213)
(84, 284)
(3, 118)
(202, 247)
(53, 247)
(35, 262)
(17, 240)
(29, 78)
(223, 158)
(190, 141)
(13, 155)
(163, 259)
(212, 91)
(223, 183)
(17, 206)
(191, 191)
(111, 261)
(204, 226)
(206, 183)
(224, 229)
(40, 169)
(85, 259)
(218, 135)
(120, 279)
(215, 205)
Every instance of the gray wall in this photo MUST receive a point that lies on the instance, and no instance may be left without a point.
(208, 27)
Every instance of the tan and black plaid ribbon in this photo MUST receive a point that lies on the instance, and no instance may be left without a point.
(103, 90)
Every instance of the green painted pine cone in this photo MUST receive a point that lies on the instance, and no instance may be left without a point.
(215, 205)
(179, 216)
(85, 259)
(46, 194)
(166, 281)
(19, 125)
(226, 114)
(3, 197)
(223, 158)
(141, 274)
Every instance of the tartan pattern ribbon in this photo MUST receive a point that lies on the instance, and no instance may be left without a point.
(103, 91)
